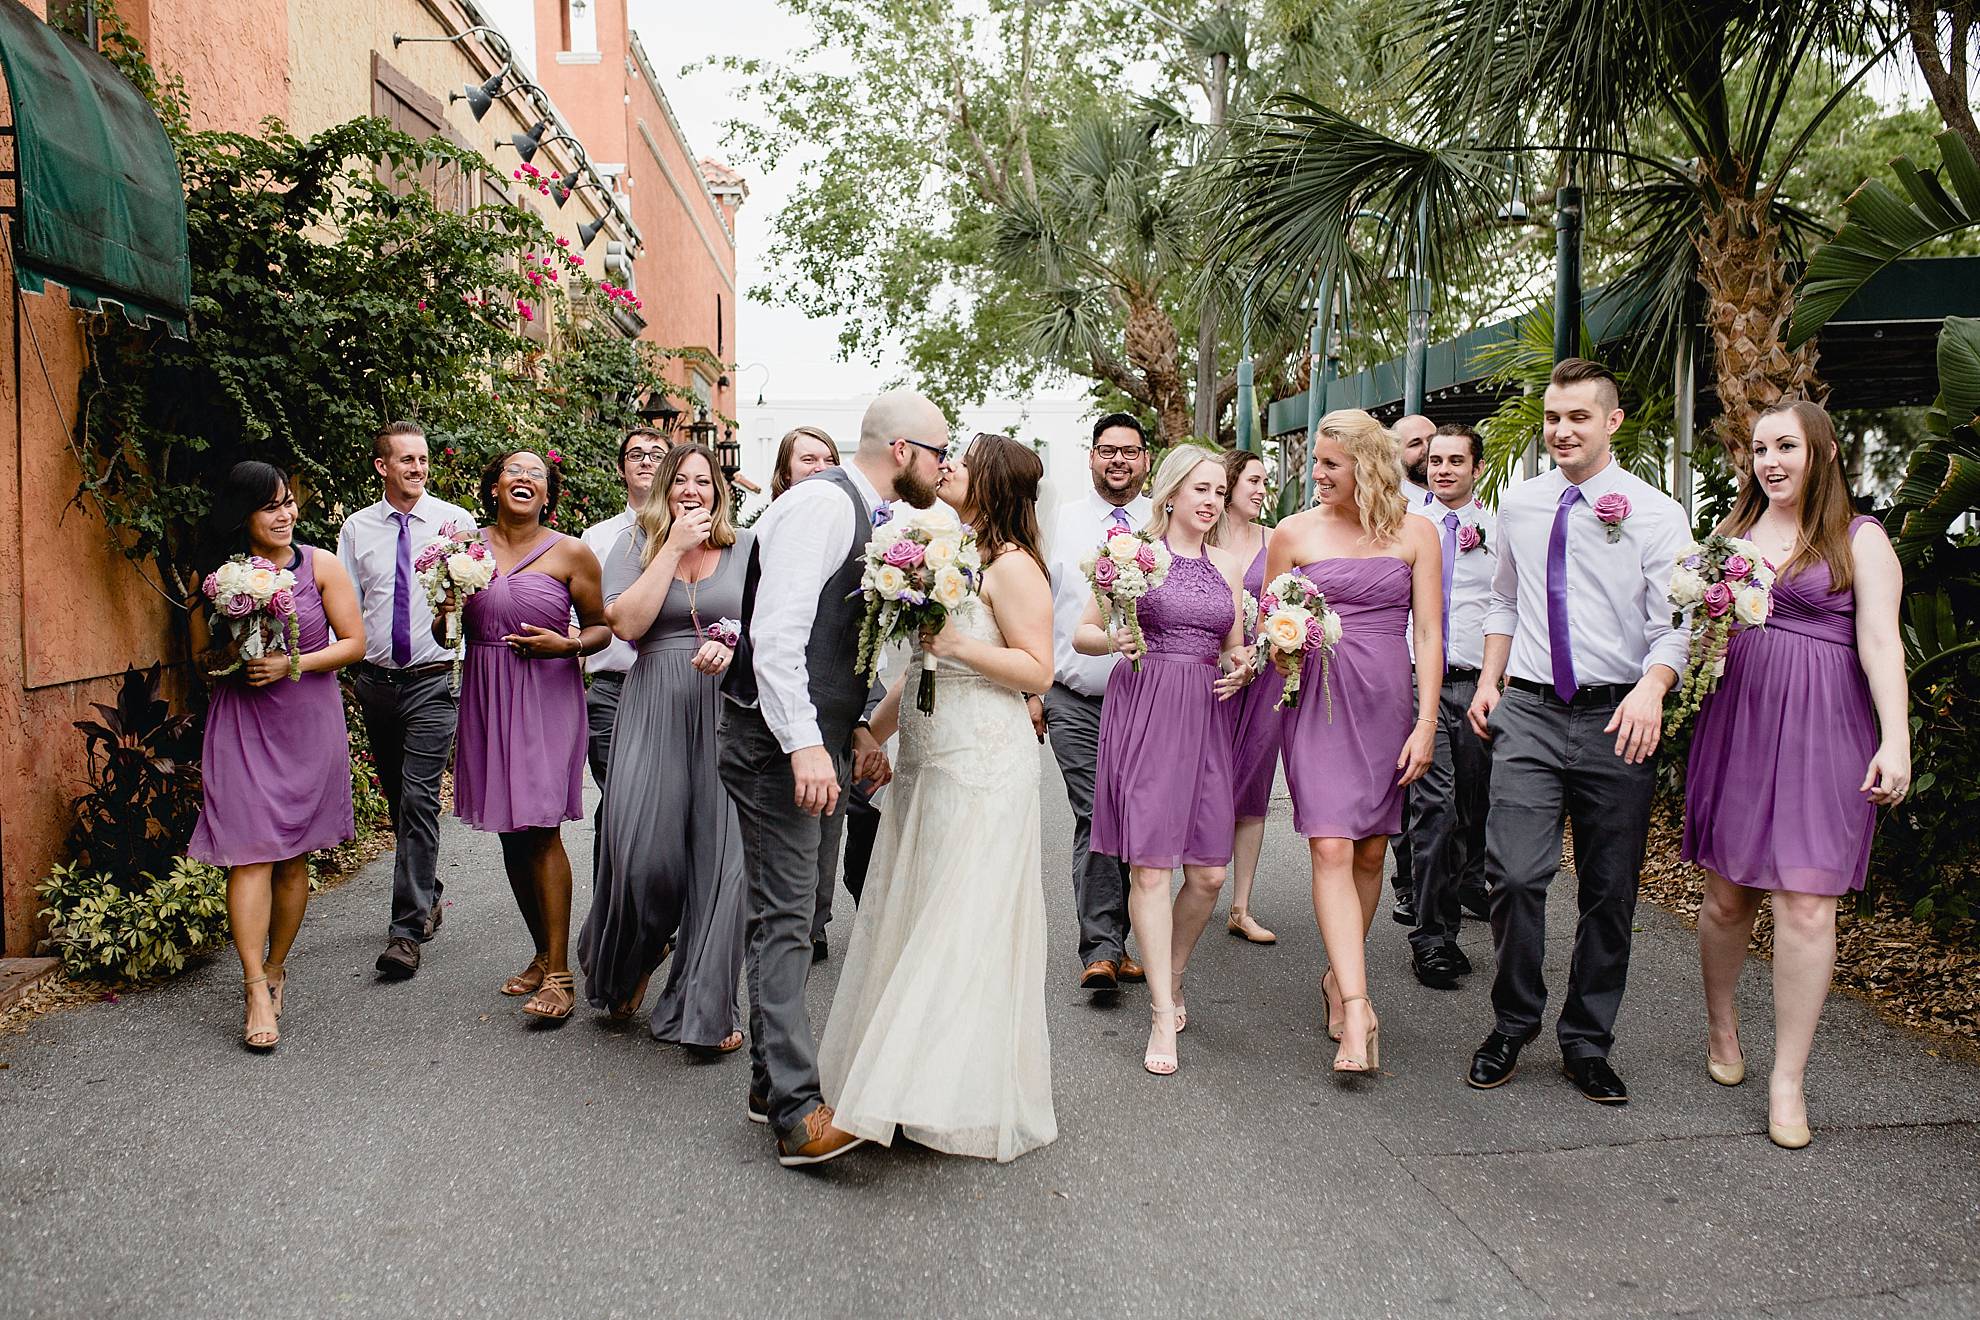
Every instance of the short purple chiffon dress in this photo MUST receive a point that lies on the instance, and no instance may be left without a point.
(275, 767)
(1257, 725)
(1162, 789)
(519, 752)
(1771, 797)
(1342, 772)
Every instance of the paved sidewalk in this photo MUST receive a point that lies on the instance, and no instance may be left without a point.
(419, 1149)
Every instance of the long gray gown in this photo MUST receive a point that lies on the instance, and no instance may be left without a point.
(669, 861)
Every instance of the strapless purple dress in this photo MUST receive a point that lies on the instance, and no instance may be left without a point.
(1162, 789)
(1342, 772)
(1771, 795)
(1257, 726)
(276, 760)
(519, 751)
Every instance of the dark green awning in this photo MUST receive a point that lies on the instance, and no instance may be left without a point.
(101, 209)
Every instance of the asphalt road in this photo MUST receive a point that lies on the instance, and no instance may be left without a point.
(419, 1149)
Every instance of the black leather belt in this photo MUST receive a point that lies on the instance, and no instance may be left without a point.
(384, 674)
(1595, 694)
(1460, 675)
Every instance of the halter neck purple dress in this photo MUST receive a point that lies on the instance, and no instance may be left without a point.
(519, 752)
(1772, 796)
(276, 760)
(1162, 788)
(1342, 772)
(1257, 725)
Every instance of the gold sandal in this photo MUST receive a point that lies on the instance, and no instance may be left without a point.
(530, 979)
(555, 998)
(259, 1041)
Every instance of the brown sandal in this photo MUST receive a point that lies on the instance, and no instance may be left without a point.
(555, 998)
(624, 1012)
(529, 979)
(259, 1041)
(729, 1044)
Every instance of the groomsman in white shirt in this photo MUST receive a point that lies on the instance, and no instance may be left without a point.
(1412, 432)
(640, 452)
(1070, 712)
(402, 685)
(1580, 629)
(1448, 805)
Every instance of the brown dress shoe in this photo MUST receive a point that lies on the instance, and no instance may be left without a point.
(814, 1140)
(1100, 974)
(1131, 970)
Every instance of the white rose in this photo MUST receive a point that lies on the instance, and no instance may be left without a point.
(935, 520)
(1330, 627)
(951, 588)
(469, 574)
(1750, 606)
(889, 582)
(1122, 549)
(261, 583)
(1687, 587)
(940, 552)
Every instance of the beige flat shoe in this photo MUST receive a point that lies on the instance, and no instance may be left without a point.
(1726, 1074)
(1244, 927)
(1789, 1136)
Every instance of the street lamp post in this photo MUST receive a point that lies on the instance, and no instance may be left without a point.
(1419, 312)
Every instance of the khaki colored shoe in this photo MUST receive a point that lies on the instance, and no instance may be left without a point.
(814, 1140)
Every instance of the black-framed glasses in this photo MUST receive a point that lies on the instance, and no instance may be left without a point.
(645, 455)
(1111, 452)
(940, 451)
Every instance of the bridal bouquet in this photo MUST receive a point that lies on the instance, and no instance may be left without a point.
(918, 571)
(1122, 569)
(453, 566)
(1297, 624)
(255, 603)
(1717, 585)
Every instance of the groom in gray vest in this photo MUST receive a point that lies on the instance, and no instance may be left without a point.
(792, 728)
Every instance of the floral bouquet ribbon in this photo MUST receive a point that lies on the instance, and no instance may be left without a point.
(452, 567)
(1121, 570)
(918, 571)
(1296, 624)
(1717, 585)
(254, 602)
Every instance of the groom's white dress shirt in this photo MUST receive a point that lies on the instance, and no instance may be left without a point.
(801, 540)
(1619, 611)
(1081, 525)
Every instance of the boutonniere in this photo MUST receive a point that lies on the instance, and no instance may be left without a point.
(1469, 538)
(1613, 509)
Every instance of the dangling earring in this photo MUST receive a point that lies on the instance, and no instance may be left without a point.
(1168, 508)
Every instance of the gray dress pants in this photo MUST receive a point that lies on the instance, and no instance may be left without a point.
(1100, 882)
(409, 721)
(1551, 762)
(780, 862)
(601, 712)
(1449, 809)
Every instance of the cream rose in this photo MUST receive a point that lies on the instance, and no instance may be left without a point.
(1687, 587)
(951, 588)
(261, 583)
(889, 581)
(941, 552)
(1285, 630)
(1750, 606)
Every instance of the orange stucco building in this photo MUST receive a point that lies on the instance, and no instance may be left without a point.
(75, 612)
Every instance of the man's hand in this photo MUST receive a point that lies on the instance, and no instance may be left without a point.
(1639, 721)
(870, 764)
(1480, 711)
(817, 781)
(1037, 709)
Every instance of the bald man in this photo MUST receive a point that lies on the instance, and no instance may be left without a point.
(793, 721)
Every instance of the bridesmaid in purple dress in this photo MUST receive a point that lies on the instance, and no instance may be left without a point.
(276, 759)
(1780, 799)
(1346, 773)
(1256, 721)
(1162, 788)
(519, 752)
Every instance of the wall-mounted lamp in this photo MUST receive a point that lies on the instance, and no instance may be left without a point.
(590, 229)
(492, 37)
(481, 97)
(561, 191)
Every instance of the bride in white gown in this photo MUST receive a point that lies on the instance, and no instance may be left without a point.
(938, 1025)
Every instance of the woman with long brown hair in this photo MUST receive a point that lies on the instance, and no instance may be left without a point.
(1805, 738)
(938, 1026)
(669, 851)
(1256, 726)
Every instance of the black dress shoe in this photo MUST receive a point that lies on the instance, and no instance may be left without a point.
(1477, 904)
(1595, 1079)
(1434, 968)
(1495, 1060)
(820, 950)
(1457, 957)
(1404, 910)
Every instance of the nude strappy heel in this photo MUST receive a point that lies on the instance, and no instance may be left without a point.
(259, 1041)
(1160, 1064)
(1372, 1044)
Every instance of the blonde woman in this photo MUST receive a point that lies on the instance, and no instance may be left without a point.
(1162, 791)
(669, 861)
(1346, 767)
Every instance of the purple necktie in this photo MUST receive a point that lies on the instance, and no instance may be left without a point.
(1120, 518)
(1450, 567)
(1558, 648)
(402, 594)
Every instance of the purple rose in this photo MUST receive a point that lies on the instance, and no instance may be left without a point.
(1612, 508)
(239, 605)
(282, 604)
(903, 554)
(1468, 539)
(1104, 572)
(1267, 603)
(1718, 599)
(430, 556)
(1316, 637)
(1144, 558)
(256, 561)
(1737, 568)
(211, 586)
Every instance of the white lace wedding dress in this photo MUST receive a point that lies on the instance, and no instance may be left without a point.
(938, 1025)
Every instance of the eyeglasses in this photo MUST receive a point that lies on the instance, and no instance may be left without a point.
(1111, 452)
(518, 470)
(645, 455)
(940, 451)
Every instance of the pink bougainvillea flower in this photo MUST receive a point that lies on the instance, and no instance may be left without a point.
(556, 457)
(450, 451)
(551, 273)
(523, 308)
(422, 304)
(563, 242)
(577, 261)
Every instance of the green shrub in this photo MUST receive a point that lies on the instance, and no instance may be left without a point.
(144, 794)
(1928, 852)
(106, 931)
(368, 805)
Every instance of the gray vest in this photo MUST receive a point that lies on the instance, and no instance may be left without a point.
(838, 690)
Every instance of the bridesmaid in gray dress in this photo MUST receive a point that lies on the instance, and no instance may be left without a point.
(669, 864)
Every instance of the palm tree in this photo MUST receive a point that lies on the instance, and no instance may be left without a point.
(1587, 86)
